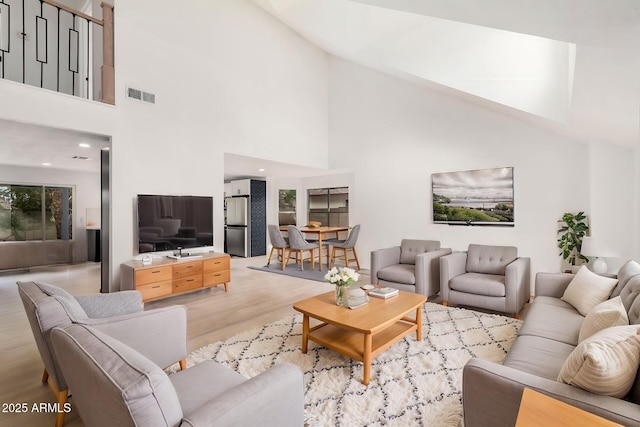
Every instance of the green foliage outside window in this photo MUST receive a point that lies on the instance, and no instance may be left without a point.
(35, 213)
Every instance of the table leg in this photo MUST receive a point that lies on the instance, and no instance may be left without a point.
(305, 333)
(367, 359)
(320, 251)
(419, 323)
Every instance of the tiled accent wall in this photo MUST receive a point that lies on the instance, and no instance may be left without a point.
(258, 218)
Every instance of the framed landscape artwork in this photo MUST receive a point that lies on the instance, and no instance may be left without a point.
(475, 197)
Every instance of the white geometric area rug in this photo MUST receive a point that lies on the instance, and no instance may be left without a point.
(412, 382)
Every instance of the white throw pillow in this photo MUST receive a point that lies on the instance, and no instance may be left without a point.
(587, 289)
(604, 315)
(605, 363)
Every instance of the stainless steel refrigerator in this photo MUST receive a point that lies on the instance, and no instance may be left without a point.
(238, 227)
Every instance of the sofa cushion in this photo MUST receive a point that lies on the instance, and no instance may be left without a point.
(399, 273)
(538, 356)
(410, 248)
(587, 289)
(634, 313)
(604, 315)
(630, 292)
(627, 271)
(70, 304)
(605, 363)
(490, 259)
(479, 284)
(543, 319)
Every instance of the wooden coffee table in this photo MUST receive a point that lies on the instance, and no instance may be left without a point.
(362, 333)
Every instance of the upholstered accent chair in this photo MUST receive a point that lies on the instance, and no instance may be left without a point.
(413, 266)
(488, 277)
(159, 334)
(278, 243)
(299, 245)
(114, 385)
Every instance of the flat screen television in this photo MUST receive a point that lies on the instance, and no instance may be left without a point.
(474, 197)
(167, 223)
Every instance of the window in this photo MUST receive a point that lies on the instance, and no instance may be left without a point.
(329, 206)
(287, 207)
(30, 212)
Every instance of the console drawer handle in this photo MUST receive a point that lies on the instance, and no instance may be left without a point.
(155, 287)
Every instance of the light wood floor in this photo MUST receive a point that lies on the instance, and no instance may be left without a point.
(254, 298)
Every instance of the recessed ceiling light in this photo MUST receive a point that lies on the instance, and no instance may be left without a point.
(84, 145)
(261, 170)
(46, 164)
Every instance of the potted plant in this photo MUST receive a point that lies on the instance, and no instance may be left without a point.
(572, 231)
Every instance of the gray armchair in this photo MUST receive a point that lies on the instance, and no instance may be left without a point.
(413, 266)
(113, 385)
(159, 334)
(488, 277)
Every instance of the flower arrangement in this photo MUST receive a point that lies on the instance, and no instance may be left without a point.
(342, 277)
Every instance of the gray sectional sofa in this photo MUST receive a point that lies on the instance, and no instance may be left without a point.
(492, 392)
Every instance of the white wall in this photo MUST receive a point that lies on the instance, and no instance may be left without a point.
(227, 77)
(86, 195)
(395, 135)
(613, 200)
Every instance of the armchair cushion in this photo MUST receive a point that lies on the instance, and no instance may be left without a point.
(113, 304)
(129, 386)
(71, 305)
(490, 259)
(399, 273)
(480, 284)
(409, 248)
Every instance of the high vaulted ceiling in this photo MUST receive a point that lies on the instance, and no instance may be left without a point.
(568, 65)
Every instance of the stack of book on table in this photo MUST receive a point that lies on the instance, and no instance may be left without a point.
(383, 292)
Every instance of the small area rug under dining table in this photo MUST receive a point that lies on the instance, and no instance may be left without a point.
(412, 383)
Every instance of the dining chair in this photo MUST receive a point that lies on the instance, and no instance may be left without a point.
(278, 243)
(298, 244)
(344, 246)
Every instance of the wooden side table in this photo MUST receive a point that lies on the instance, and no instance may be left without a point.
(537, 409)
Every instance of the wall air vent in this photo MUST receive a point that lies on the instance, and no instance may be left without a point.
(140, 95)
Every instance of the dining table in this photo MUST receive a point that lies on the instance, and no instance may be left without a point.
(321, 233)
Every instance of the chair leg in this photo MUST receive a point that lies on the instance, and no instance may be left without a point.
(516, 315)
(333, 257)
(61, 397)
(313, 259)
(183, 364)
(445, 303)
(282, 256)
(355, 255)
(45, 375)
(285, 262)
(269, 260)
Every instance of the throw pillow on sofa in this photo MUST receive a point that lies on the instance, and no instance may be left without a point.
(587, 289)
(604, 315)
(605, 363)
